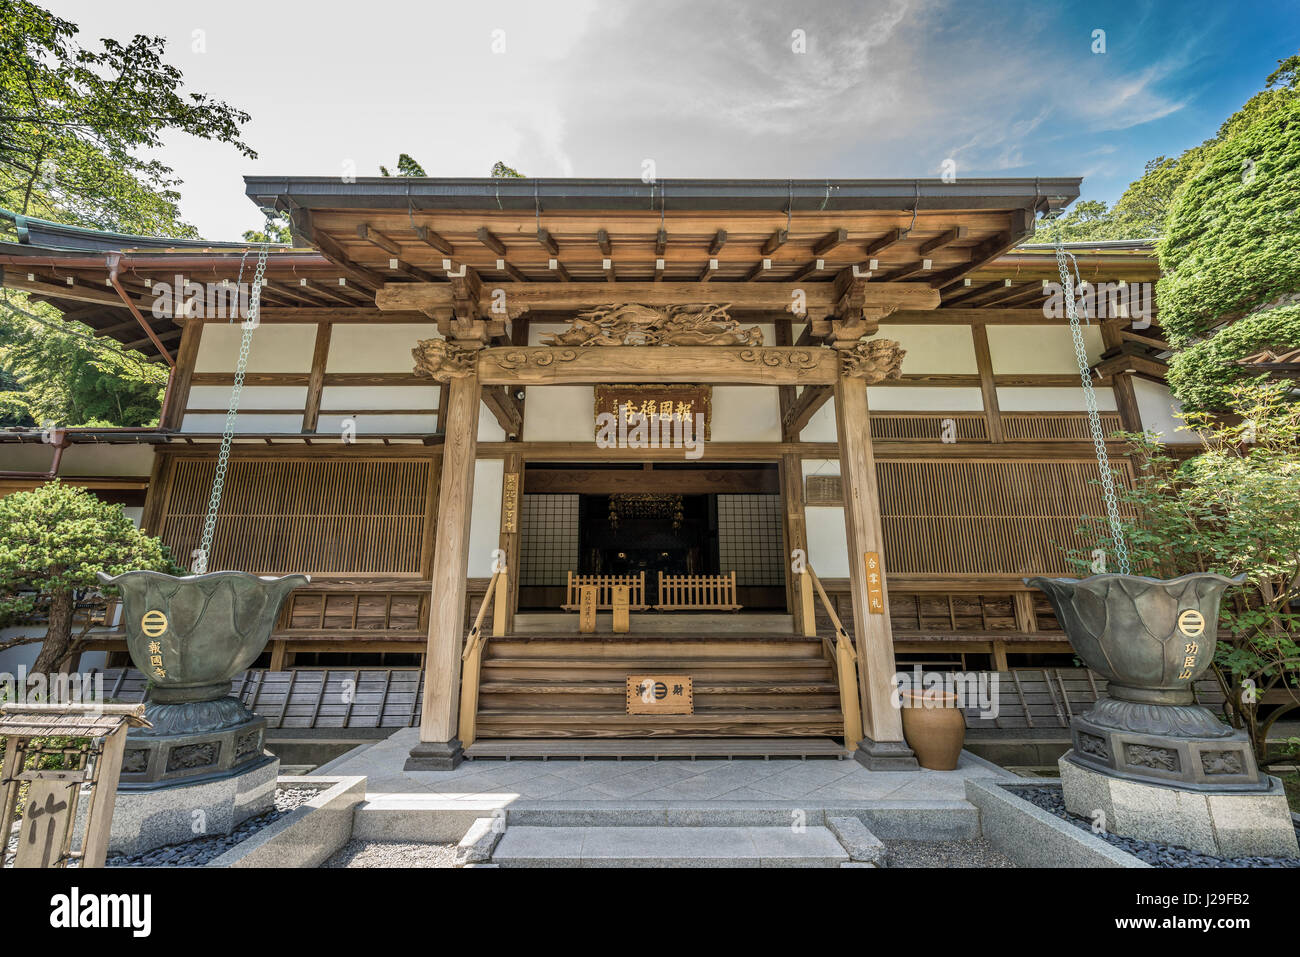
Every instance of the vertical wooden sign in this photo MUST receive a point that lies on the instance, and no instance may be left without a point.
(587, 609)
(875, 586)
(510, 503)
(622, 599)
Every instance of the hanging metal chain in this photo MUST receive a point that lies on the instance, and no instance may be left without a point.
(1090, 397)
(200, 563)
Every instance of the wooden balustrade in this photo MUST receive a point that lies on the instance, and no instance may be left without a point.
(605, 585)
(697, 593)
(840, 651)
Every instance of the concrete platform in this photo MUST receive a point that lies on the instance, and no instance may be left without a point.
(668, 847)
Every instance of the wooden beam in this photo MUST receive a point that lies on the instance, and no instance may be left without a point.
(776, 241)
(804, 407)
(332, 251)
(988, 384)
(182, 376)
(835, 237)
(716, 244)
(794, 529)
(884, 242)
(430, 238)
(661, 241)
(602, 240)
(776, 296)
(543, 365)
(489, 239)
(664, 481)
(943, 239)
(316, 382)
(505, 409)
(548, 242)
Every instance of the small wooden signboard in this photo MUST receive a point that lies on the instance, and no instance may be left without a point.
(587, 609)
(875, 586)
(622, 601)
(660, 694)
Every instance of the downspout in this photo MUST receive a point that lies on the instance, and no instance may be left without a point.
(114, 262)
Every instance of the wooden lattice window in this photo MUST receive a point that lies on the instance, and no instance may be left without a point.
(346, 516)
(981, 517)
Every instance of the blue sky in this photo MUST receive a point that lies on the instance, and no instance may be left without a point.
(579, 88)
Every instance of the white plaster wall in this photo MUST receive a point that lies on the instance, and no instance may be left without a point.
(559, 413)
(828, 549)
(821, 428)
(746, 413)
(485, 516)
(1051, 399)
(489, 429)
(332, 423)
(285, 347)
(944, 350)
(375, 347)
(243, 423)
(288, 397)
(1157, 406)
(1045, 350)
(342, 398)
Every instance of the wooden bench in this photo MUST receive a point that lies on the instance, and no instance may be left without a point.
(697, 593)
(605, 585)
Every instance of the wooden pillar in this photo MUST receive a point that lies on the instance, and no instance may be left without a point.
(178, 390)
(1130, 418)
(316, 380)
(988, 386)
(439, 750)
(882, 747)
(512, 494)
(796, 534)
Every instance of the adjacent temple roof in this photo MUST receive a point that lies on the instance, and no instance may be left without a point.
(965, 239)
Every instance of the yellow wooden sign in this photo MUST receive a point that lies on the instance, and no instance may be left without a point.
(587, 609)
(510, 503)
(660, 694)
(875, 584)
(622, 601)
(153, 623)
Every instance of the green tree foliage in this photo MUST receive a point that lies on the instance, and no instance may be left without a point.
(73, 121)
(1230, 260)
(278, 232)
(1233, 509)
(501, 171)
(406, 166)
(66, 377)
(52, 542)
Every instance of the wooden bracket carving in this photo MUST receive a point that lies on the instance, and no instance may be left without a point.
(874, 360)
(443, 361)
(630, 324)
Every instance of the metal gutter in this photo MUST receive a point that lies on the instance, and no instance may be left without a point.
(776, 195)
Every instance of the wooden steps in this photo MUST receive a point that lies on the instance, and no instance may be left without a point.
(544, 687)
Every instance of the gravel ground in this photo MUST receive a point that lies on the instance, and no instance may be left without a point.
(392, 854)
(198, 852)
(974, 853)
(1155, 854)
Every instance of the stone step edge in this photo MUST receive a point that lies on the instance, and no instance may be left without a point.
(821, 857)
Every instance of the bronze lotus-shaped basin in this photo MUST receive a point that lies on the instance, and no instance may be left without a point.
(1150, 638)
(191, 635)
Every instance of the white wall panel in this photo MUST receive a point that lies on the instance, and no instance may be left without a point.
(376, 347)
(286, 347)
(485, 516)
(1046, 350)
(1051, 399)
(942, 350)
(746, 413)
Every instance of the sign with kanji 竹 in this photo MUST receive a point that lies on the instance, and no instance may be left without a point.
(875, 584)
(660, 694)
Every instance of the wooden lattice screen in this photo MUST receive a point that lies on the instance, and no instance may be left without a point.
(348, 516)
(980, 517)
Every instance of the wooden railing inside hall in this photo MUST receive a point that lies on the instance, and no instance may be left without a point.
(840, 651)
(605, 585)
(697, 592)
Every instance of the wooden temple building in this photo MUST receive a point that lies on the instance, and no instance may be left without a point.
(884, 432)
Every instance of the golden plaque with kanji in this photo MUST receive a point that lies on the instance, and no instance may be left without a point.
(660, 694)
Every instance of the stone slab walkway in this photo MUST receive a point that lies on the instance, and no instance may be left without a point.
(495, 783)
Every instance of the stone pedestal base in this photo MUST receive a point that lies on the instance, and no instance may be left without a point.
(435, 756)
(1223, 823)
(173, 814)
(885, 756)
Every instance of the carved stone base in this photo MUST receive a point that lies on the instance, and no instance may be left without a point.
(1207, 756)
(1220, 823)
(153, 760)
(885, 756)
(435, 756)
